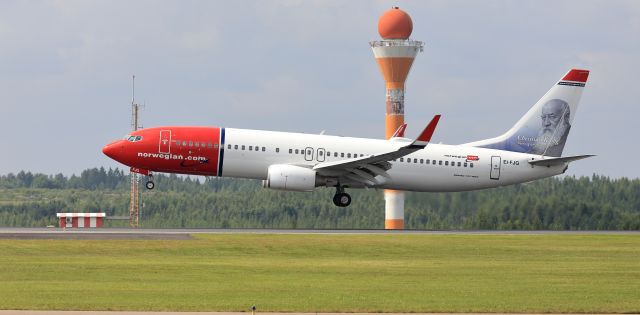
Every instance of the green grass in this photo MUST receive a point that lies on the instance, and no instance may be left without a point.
(327, 273)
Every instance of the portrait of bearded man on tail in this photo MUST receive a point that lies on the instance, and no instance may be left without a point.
(554, 129)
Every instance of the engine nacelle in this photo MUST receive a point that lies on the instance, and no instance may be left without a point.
(290, 177)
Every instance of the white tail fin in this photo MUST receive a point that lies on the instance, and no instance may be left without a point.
(544, 128)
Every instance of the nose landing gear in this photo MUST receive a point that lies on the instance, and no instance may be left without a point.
(150, 184)
(341, 198)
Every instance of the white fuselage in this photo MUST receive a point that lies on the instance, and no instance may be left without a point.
(456, 168)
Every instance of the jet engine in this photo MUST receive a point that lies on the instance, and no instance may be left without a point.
(290, 177)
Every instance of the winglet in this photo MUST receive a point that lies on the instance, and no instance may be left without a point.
(425, 135)
(400, 131)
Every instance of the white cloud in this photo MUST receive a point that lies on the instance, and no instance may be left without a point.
(65, 69)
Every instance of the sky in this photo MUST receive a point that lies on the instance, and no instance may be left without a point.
(306, 66)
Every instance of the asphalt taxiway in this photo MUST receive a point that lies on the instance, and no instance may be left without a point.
(185, 234)
(231, 313)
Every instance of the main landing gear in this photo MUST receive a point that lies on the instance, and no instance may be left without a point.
(341, 198)
(150, 184)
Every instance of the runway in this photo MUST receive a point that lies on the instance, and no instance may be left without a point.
(235, 313)
(186, 234)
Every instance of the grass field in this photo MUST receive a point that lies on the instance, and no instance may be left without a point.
(327, 273)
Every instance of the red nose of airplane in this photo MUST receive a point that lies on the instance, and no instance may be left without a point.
(112, 150)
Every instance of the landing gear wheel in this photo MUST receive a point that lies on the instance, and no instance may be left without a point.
(342, 199)
(150, 185)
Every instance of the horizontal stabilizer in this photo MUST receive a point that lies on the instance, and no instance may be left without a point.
(559, 160)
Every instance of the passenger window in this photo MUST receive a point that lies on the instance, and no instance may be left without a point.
(264, 149)
(342, 154)
(215, 146)
(446, 163)
(465, 164)
(190, 143)
(439, 162)
(348, 155)
(243, 147)
(277, 150)
(250, 148)
(197, 144)
(433, 162)
(290, 151)
(415, 160)
(320, 153)
(209, 145)
(235, 147)
(421, 161)
(471, 165)
(308, 152)
(177, 142)
(401, 159)
(408, 160)
(428, 161)
(335, 154)
(297, 151)
(459, 164)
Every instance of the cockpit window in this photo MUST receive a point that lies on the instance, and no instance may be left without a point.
(132, 138)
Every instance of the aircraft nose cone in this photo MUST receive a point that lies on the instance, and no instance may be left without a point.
(112, 149)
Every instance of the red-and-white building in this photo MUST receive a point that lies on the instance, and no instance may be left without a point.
(81, 220)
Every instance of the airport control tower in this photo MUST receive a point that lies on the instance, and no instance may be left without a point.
(395, 54)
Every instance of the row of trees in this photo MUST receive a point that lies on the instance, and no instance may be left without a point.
(95, 178)
(568, 203)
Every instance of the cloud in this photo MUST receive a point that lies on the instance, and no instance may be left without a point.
(66, 66)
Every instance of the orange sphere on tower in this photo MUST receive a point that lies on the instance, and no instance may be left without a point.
(395, 24)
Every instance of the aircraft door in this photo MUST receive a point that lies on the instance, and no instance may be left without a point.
(308, 154)
(165, 142)
(320, 155)
(495, 167)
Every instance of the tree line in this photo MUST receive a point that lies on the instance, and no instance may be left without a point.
(559, 203)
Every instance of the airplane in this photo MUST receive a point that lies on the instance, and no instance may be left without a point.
(530, 150)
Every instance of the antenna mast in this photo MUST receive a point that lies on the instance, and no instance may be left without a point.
(134, 206)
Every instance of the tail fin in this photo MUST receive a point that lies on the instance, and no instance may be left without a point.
(544, 128)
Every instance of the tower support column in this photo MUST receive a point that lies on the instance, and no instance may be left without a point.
(394, 55)
(393, 209)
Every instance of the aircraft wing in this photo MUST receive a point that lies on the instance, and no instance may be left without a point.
(559, 160)
(364, 169)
